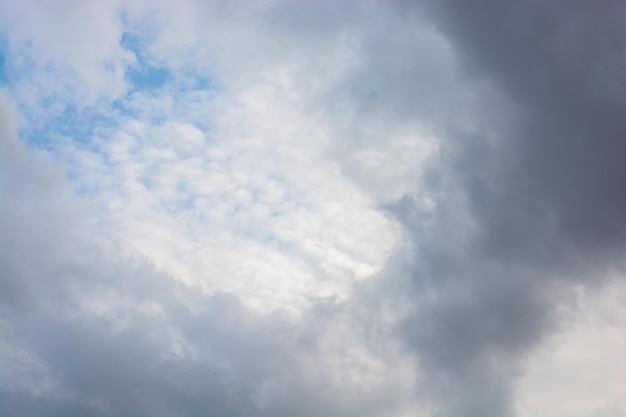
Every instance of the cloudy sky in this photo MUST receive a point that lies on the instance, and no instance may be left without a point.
(281, 208)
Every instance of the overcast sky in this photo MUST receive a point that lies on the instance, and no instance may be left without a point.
(282, 208)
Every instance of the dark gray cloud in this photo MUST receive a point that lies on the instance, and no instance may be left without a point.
(555, 176)
(526, 199)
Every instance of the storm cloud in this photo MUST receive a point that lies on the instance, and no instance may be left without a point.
(527, 201)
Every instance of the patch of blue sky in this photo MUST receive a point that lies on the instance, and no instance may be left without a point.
(123, 109)
(150, 77)
(15, 65)
(85, 127)
(148, 73)
(145, 77)
(83, 124)
(80, 125)
(46, 113)
(63, 120)
(132, 106)
(4, 72)
(145, 74)
(194, 81)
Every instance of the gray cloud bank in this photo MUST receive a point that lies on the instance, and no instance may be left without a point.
(526, 200)
(523, 198)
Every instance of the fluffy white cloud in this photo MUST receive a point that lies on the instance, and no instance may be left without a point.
(82, 318)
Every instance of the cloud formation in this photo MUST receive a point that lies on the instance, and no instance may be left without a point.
(298, 209)
(528, 199)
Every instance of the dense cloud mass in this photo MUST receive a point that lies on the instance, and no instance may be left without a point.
(521, 207)
(311, 208)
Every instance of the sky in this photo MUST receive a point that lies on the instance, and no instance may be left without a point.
(281, 208)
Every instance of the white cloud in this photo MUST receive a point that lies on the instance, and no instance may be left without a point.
(75, 305)
(66, 51)
(581, 367)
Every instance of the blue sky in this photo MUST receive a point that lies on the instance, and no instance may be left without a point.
(143, 75)
(4, 77)
(204, 209)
